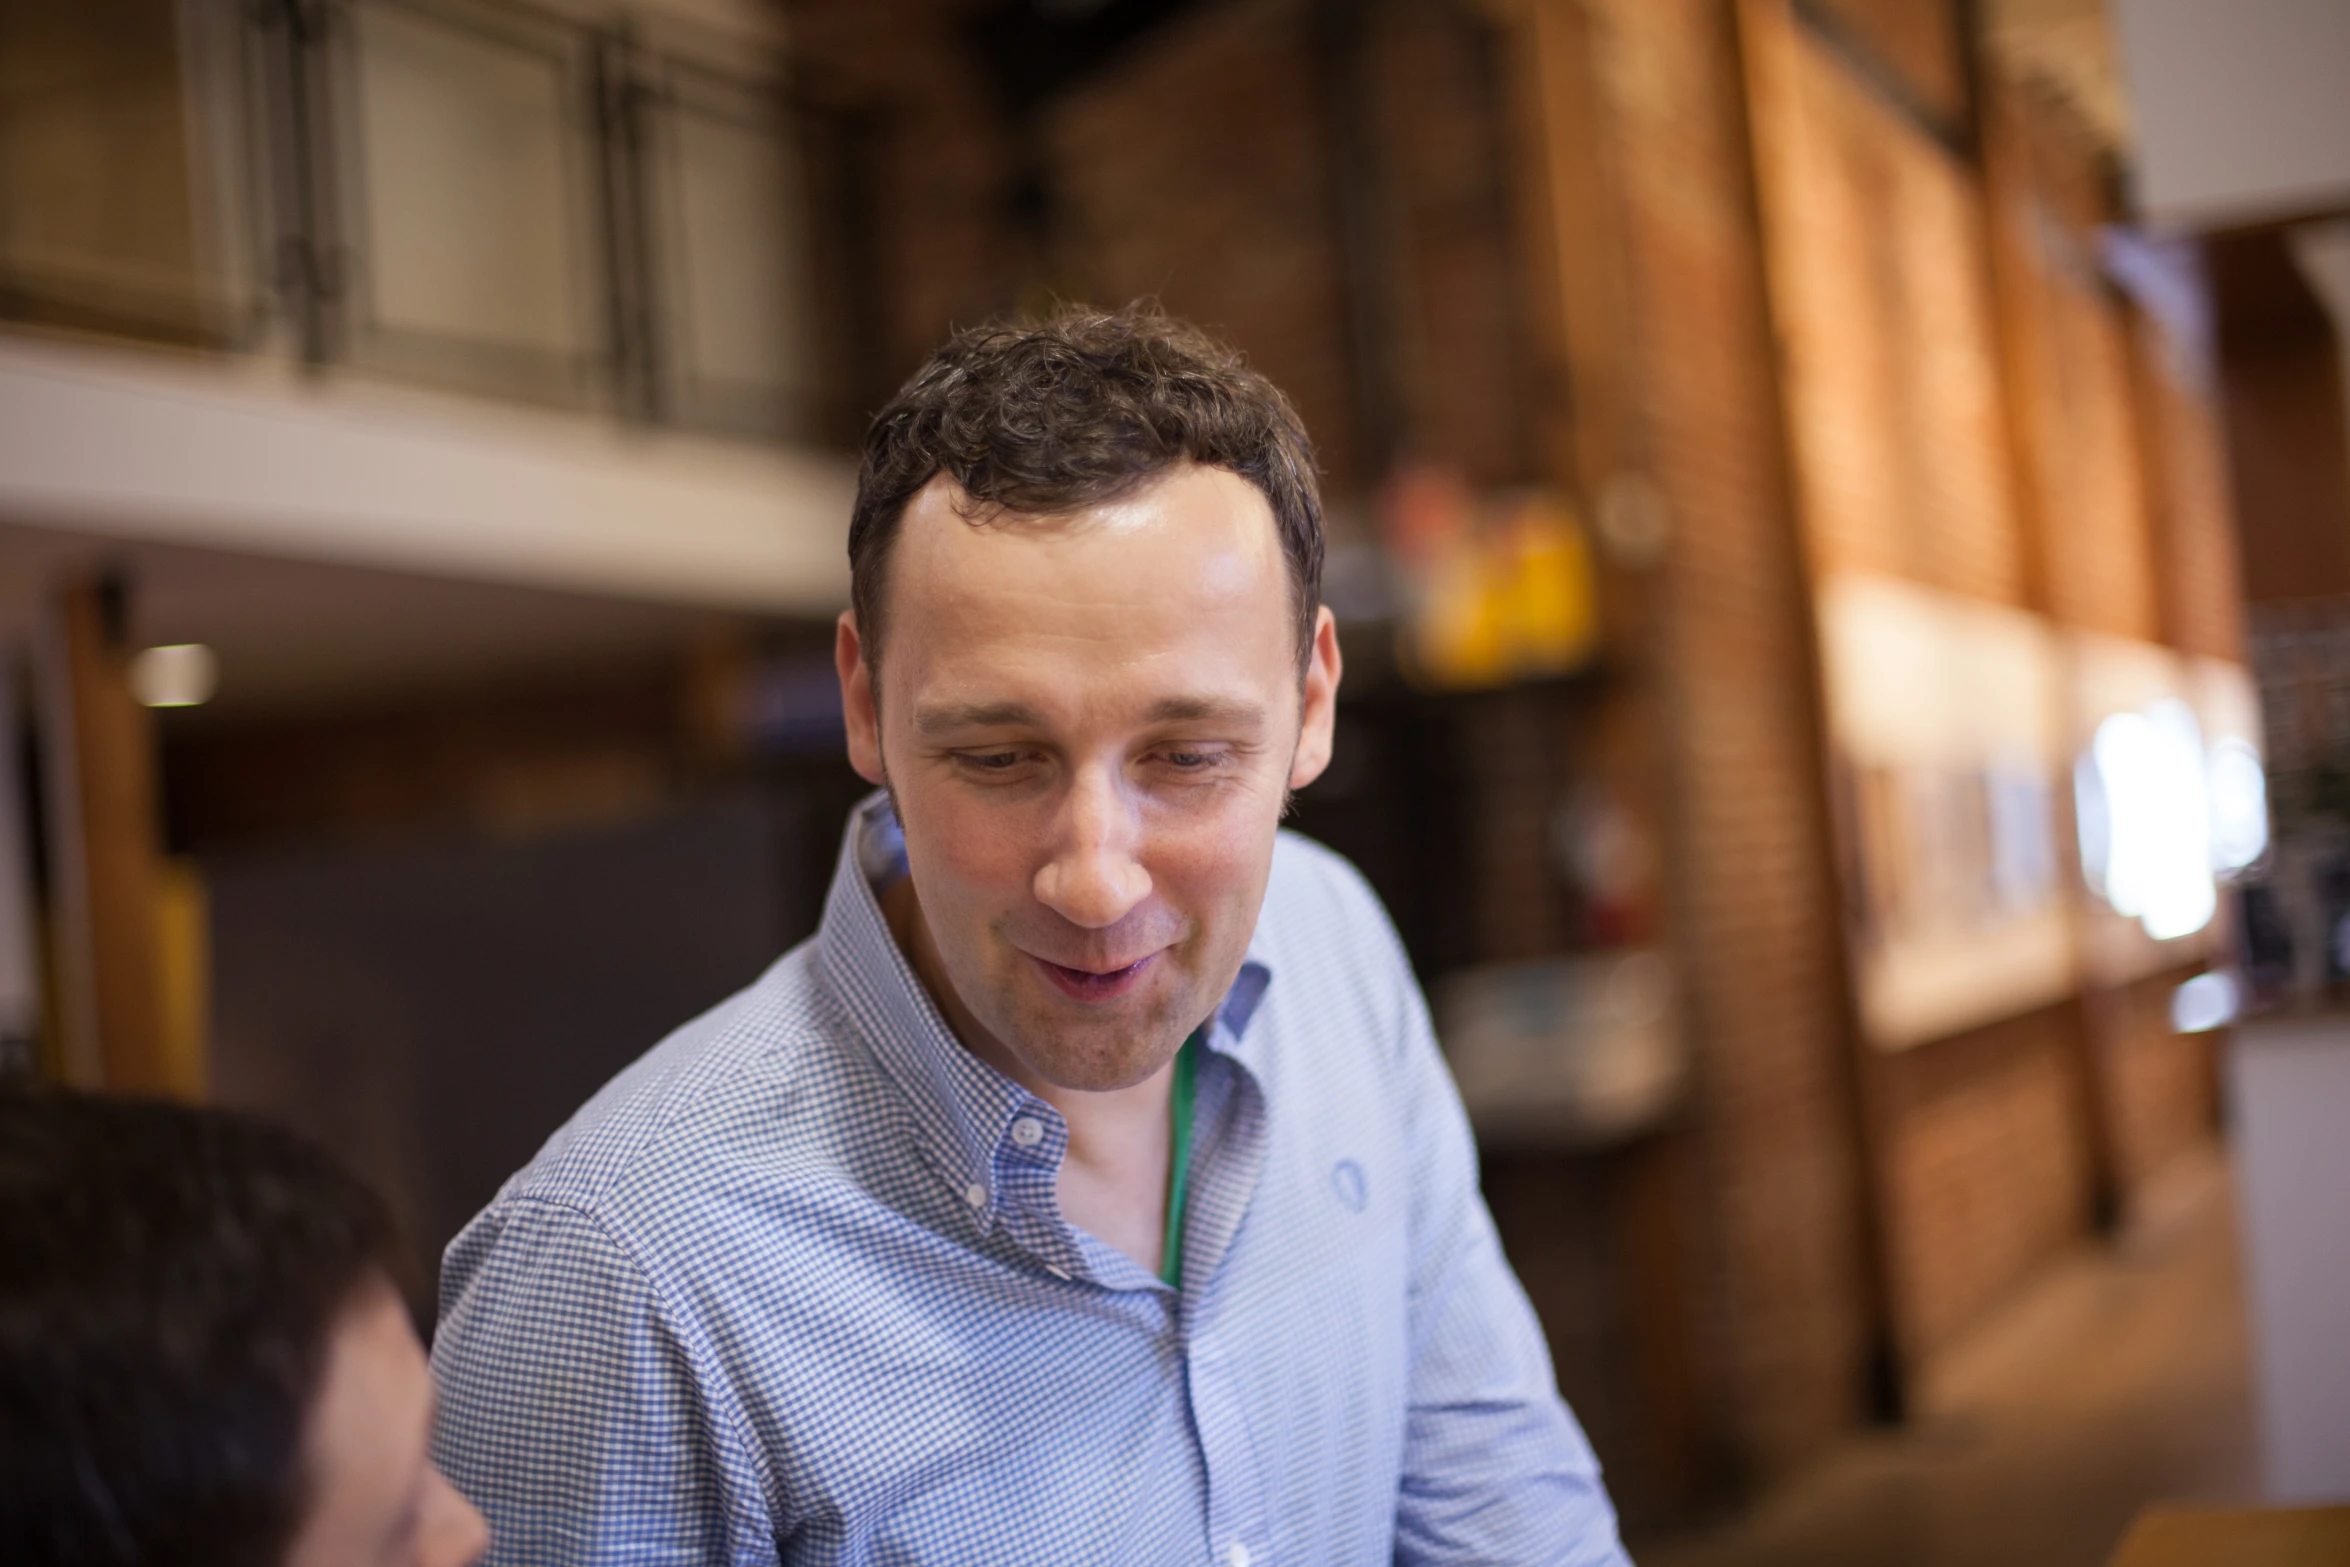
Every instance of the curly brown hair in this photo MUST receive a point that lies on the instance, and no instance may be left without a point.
(1047, 417)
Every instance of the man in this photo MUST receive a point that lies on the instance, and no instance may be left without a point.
(203, 1358)
(1089, 1189)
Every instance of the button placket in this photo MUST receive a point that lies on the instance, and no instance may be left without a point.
(1028, 1151)
(1227, 1159)
(1228, 1450)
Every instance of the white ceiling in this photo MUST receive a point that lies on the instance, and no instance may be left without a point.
(2242, 109)
(250, 456)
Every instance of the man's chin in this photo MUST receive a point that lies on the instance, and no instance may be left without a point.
(1098, 1056)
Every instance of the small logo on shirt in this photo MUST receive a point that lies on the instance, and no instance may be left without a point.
(1346, 1179)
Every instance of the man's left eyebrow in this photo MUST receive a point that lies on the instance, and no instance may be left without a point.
(951, 716)
(1207, 709)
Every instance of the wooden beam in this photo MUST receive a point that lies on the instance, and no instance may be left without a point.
(21, 985)
(106, 848)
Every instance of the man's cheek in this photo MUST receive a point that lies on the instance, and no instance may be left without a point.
(978, 884)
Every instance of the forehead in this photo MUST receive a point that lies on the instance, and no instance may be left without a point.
(1185, 571)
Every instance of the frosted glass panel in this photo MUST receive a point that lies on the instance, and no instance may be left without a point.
(743, 277)
(466, 185)
(731, 259)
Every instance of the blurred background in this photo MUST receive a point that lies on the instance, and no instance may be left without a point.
(1840, 526)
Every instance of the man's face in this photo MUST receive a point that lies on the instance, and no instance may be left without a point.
(1089, 725)
(374, 1497)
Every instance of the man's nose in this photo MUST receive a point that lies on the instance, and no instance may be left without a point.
(1093, 878)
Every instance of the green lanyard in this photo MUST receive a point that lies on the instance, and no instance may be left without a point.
(1180, 1103)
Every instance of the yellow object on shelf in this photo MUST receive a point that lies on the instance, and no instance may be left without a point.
(1496, 591)
(184, 989)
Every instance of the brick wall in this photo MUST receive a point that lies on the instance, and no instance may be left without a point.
(1753, 909)
(2070, 371)
(1882, 293)
(1197, 171)
(2160, 1085)
(2134, 537)
(1986, 1169)
(2186, 458)
(1197, 168)
(1920, 45)
(1445, 142)
(1201, 171)
(935, 177)
(1900, 432)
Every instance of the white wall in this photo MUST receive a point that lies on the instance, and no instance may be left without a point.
(2242, 108)
(2290, 1086)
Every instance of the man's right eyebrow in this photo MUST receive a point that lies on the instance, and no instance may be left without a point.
(948, 717)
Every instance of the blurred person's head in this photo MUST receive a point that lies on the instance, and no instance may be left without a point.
(204, 1357)
(1088, 657)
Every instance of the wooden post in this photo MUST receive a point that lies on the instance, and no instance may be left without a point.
(106, 849)
(20, 940)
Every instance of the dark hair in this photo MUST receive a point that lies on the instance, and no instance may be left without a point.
(1072, 411)
(170, 1279)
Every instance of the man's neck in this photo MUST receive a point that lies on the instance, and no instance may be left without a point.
(1113, 1179)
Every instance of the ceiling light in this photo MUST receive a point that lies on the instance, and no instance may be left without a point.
(182, 674)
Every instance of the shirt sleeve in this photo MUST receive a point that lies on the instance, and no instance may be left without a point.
(1495, 1468)
(571, 1411)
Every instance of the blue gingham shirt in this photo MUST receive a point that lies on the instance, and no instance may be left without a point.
(795, 1287)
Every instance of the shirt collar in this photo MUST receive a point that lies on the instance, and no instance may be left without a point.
(960, 1108)
(1230, 1024)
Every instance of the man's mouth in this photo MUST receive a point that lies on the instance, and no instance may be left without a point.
(1088, 985)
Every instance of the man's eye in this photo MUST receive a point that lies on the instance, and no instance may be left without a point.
(1194, 761)
(992, 761)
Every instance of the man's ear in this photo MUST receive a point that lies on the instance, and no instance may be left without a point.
(859, 710)
(1318, 710)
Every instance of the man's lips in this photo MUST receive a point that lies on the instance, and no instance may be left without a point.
(1087, 985)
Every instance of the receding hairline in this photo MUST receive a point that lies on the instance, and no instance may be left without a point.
(982, 513)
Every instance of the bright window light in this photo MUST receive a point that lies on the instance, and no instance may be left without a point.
(2239, 806)
(2206, 1002)
(182, 674)
(2146, 822)
(2093, 817)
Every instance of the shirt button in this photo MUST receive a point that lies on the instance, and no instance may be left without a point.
(1028, 1131)
(1236, 1555)
(975, 1194)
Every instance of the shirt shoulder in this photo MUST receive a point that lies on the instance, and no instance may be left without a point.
(1312, 881)
(1338, 967)
(1318, 905)
(745, 1062)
